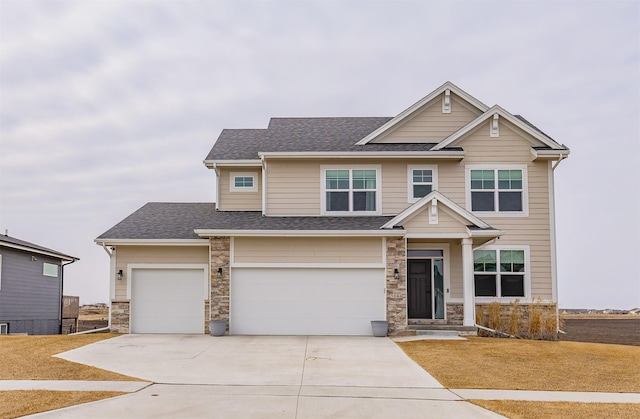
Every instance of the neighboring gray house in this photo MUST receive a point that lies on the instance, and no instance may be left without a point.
(31, 283)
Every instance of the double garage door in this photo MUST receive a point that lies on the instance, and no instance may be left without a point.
(303, 301)
(263, 301)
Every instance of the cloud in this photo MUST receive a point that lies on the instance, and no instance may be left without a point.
(107, 105)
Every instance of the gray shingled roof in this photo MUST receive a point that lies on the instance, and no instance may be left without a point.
(306, 135)
(7, 240)
(162, 220)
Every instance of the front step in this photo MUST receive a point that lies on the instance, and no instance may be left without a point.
(443, 329)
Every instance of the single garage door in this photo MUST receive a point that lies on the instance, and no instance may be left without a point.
(167, 300)
(300, 301)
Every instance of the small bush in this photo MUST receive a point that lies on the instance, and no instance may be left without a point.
(514, 318)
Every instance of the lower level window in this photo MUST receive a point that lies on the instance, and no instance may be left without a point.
(499, 273)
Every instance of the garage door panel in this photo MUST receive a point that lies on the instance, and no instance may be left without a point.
(167, 301)
(306, 301)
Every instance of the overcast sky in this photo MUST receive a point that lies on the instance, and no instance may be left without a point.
(108, 105)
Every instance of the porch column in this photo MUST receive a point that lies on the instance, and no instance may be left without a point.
(467, 283)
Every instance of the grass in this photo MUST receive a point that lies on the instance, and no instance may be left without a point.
(492, 363)
(30, 358)
(14, 404)
(538, 410)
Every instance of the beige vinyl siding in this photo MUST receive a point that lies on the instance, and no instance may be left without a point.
(308, 250)
(431, 125)
(155, 255)
(447, 224)
(293, 187)
(239, 201)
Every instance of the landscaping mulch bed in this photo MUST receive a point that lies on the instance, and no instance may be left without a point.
(615, 330)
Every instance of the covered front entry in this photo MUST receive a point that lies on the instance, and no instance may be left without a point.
(306, 301)
(425, 284)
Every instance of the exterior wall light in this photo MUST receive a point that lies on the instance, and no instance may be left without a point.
(396, 274)
(219, 272)
(120, 273)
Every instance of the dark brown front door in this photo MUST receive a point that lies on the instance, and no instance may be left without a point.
(419, 288)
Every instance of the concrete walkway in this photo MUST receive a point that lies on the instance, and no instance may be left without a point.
(290, 377)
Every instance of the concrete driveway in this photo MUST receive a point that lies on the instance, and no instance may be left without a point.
(266, 376)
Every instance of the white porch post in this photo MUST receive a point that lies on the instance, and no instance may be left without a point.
(467, 283)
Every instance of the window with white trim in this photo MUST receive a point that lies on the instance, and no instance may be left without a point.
(351, 190)
(497, 190)
(500, 272)
(243, 182)
(49, 269)
(421, 181)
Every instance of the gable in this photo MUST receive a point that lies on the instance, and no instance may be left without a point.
(443, 224)
(510, 146)
(431, 123)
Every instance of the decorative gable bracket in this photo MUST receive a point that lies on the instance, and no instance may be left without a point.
(494, 130)
(446, 101)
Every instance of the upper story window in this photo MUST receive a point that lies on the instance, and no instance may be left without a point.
(351, 190)
(501, 272)
(497, 190)
(421, 180)
(243, 182)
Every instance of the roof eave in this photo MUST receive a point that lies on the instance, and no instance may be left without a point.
(298, 233)
(551, 154)
(211, 164)
(440, 154)
(151, 242)
(56, 255)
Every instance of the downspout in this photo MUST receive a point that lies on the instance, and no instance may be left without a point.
(552, 194)
(62, 265)
(102, 329)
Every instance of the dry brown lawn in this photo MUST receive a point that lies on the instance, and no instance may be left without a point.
(564, 410)
(30, 358)
(492, 363)
(14, 404)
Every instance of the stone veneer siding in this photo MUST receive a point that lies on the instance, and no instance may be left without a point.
(220, 258)
(396, 288)
(120, 317)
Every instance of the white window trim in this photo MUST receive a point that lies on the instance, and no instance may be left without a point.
(527, 274)
(525, 189)
(44, 269)
(232, 182)
(434, 187)
(323, 188)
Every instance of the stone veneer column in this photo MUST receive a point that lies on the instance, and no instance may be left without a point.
(119, 317)
(220, 257)
(396, 288)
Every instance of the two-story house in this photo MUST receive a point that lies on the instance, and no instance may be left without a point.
(321, 225)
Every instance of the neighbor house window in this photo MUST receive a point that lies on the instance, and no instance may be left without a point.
(351, 190)
(243, 182)
(421, 181)
(497, 190)
(49, 269)
(500, 272)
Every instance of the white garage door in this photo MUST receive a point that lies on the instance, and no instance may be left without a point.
(167, 301)
(292, 301)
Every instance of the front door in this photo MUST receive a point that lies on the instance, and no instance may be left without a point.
(419, 288)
